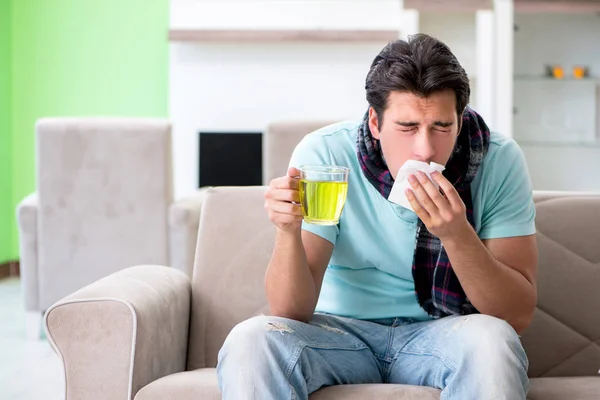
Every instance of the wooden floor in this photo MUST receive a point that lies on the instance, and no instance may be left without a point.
(29, 370)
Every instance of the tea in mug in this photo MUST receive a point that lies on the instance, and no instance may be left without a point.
(322, 201)
(323, 190)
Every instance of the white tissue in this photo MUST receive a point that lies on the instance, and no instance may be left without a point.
(397, 195)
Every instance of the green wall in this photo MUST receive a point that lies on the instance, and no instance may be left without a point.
(82, 58)
(6, 211)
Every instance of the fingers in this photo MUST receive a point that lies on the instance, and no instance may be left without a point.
(287, 195)
(293, 172)
(449, 191)
(283, 197)
(433, 192)
(282, 201)
(284, 189)
(285, 182)
(282, 207)
(417, 208)
(422, 196)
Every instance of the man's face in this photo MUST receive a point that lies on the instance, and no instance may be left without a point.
(417, 128)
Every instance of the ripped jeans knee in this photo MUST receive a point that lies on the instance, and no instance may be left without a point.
(260, 340)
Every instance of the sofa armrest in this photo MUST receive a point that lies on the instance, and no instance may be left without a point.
(122, 332)
(184, 219)
(27, 217)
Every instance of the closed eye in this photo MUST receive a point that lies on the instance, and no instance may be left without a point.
(442, 126)
(411, 130)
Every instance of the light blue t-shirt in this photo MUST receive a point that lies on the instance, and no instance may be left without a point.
(370, 272)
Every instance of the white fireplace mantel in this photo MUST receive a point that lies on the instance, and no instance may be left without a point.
(282, 35)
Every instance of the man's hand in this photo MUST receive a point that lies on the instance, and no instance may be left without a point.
(498, 276)
(282, 202)
(443, 215)
(300, 258)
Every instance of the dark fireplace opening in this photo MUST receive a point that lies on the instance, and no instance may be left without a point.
(230, 159)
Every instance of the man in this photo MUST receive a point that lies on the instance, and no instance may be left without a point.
(434, 297)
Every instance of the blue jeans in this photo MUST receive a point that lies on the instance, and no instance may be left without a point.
(473, 357)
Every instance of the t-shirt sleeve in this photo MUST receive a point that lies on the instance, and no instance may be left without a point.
(312, 150)
(509, 209)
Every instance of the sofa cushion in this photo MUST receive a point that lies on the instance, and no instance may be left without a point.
(376, 391)
(202, 384)
(580, 388)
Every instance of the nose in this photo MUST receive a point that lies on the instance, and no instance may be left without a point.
(423, 148)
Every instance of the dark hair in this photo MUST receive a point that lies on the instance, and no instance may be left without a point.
(422, 65)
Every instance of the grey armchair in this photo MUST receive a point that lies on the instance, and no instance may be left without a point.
(103, 203)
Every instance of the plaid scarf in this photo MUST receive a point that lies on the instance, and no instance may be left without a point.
(437, 287)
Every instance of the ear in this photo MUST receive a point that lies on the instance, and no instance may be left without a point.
(374, 123)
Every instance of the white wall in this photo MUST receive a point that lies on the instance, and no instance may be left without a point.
(457, 30)
(287, 14)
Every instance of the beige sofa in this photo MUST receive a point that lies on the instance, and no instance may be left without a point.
(149, 333)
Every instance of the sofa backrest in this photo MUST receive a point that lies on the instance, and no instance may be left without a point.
(564, 337)
(279, 141)
(104, 187)
(236, 240)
